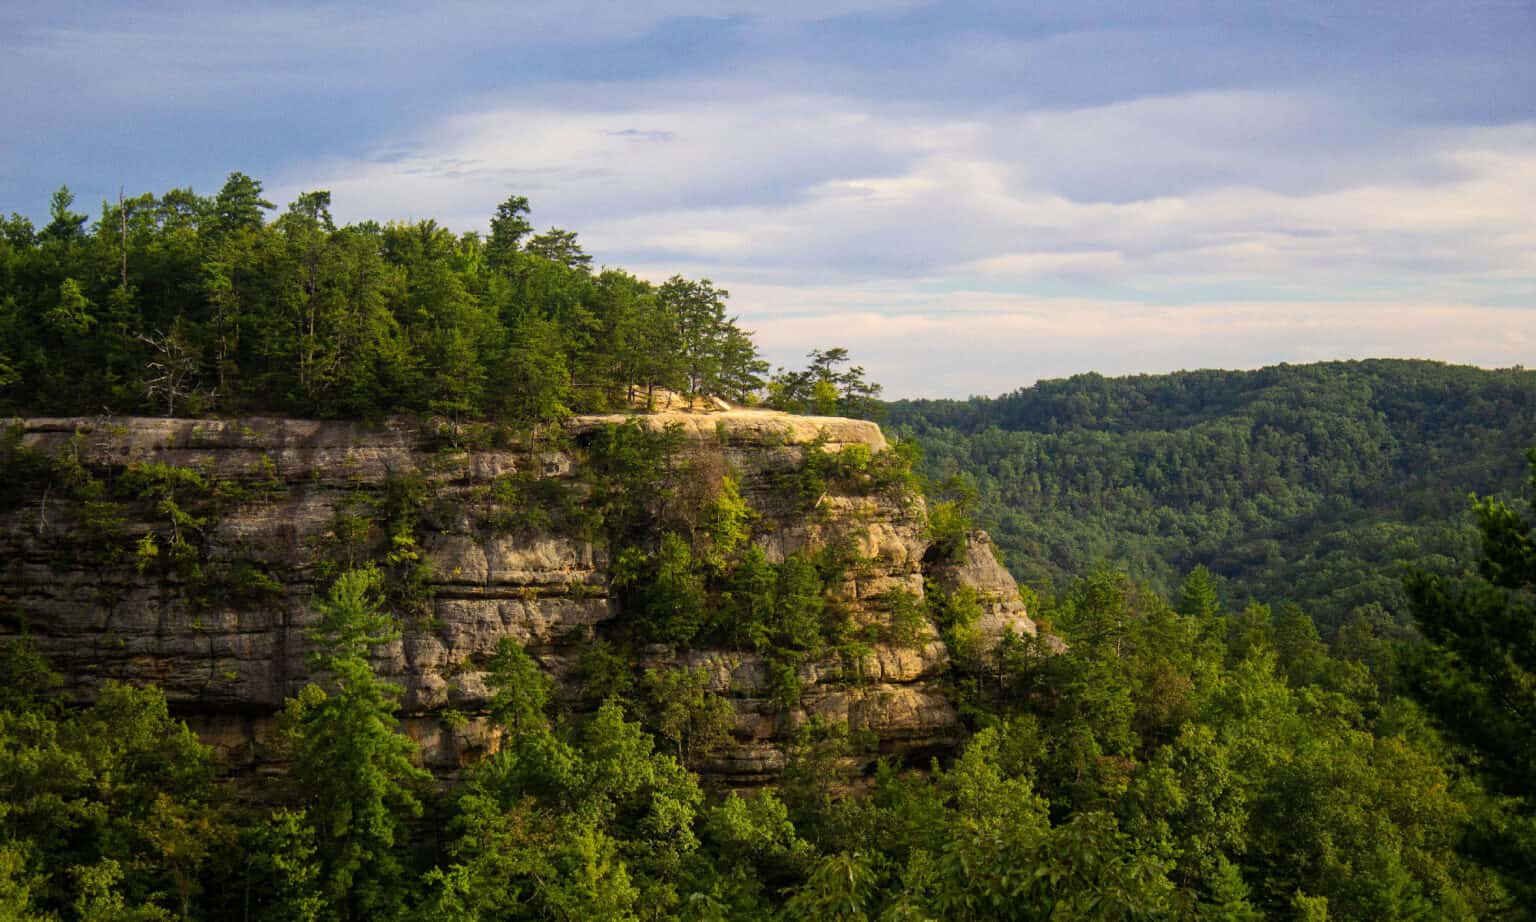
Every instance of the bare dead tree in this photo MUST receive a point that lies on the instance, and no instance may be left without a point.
(171, 375)
(122, 213)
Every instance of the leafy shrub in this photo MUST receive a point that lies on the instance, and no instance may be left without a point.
(907, 619)
(948, 527)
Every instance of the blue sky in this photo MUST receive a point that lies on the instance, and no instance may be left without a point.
(970, 196)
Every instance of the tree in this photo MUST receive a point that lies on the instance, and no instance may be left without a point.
(316, 207)
(532, 379)
(355, 771)
(65, 226)
(699, 309)
(282, 869)
(171, 372)
(560, 246)
(307, 328)
(508, 228)
(1197, 597)
(16, 886)
(741, 366)
(521, 697)
(73, 314)
(688, 713)
(1476, 670)
(842, 887)
(667, 589)
(239, 205)
(116, 795)
(824, 389)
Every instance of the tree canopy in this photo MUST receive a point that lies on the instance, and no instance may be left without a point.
(181, 304)
(1318, 484)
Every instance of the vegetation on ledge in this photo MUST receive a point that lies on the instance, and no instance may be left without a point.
(182, 304)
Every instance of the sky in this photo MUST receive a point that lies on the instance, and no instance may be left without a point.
(969, 196)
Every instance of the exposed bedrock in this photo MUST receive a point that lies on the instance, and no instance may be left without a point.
(227, 640)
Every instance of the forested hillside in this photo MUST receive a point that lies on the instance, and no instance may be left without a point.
(598, 612)
(1173, 762)
(1314, 484)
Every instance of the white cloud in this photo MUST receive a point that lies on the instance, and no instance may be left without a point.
(927, 241)
(987, 344)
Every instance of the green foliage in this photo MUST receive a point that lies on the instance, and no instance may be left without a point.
(525, 863)
(559, 824)
(841, 887)
(170, 492)
(855, 470)
(756, 829)
(1476, 672)
(688, 713)
(23, 469)
(630, 464)
(948, 530)
(1156, 768)
(285, 871)
(355, 772)
(825, 389)
(665, 591)
(17, 884)
(1313, 484)
(604, 673)
(1216, 758)
(525, 501)
(25, 676)
(726, 528)
(179, 303)
(956, 614)
(106, 809)
(521, 698)
(408, 573)
(908, 619)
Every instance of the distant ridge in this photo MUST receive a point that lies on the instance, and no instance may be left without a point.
(1296, 483)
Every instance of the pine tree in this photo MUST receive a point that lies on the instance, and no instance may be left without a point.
(355, 770)
(1477, 671)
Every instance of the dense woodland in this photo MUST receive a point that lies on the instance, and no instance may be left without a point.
(181, 304)
(1180, 759)
(1320, 485)
(1198, 750)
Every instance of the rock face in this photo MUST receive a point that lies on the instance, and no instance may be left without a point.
(997, 593)
(220, 620)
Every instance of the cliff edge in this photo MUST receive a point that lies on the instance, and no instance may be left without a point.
(185, 553)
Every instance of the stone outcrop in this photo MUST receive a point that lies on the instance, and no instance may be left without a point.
(997, 593)
(226, 638)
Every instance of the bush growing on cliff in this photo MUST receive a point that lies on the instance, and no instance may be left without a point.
(686, 712)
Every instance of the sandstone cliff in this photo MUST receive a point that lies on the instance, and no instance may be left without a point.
(214, 606)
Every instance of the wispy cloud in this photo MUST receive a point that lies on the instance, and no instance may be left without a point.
(840, 219)
(970, 195)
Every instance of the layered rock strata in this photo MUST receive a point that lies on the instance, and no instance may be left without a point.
(225, 634)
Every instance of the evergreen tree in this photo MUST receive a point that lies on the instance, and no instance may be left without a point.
(239, 205)
(64, 226)
(508, 228)
(354, 770)
(1476, 670)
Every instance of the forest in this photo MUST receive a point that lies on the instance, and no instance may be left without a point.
(1320, 485)
(181, 304)
(1296, 677)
